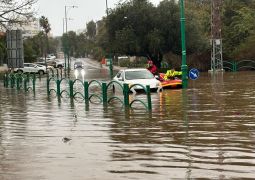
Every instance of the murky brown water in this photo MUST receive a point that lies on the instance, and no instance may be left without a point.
(206, 131)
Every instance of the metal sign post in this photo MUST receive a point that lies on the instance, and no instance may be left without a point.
(15, 51)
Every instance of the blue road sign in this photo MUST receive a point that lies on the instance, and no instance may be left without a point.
(193, 74)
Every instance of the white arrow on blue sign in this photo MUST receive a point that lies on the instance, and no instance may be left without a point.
(193, 74)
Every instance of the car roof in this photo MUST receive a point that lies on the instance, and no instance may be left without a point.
(135, 69)
(78, 62)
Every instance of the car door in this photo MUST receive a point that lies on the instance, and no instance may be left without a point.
(33, 68)
(26, 67)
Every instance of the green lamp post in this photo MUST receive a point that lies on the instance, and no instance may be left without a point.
(184, 66)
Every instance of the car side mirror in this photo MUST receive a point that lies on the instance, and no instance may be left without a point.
(120, 79)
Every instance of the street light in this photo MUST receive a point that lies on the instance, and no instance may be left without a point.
(68, 58)
(184, 66)
(106, 3)
(65, 23)
(66, 10)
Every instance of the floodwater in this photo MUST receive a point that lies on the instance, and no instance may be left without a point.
(206, 131)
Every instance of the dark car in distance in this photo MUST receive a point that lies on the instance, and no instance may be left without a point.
(78, 64)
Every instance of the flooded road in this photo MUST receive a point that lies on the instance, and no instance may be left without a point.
(206, 131)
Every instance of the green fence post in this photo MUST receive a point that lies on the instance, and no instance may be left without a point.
(61, 73)
(12, 81)
(111, 68)
(51, 71)
(126, 95)
(5, 80)
(104, 93)
(71, 88)
(17, 82)
(48, 85)
(58, 88)
(27, 77)
(57, 73)
(25, 84)
(34, 79)
(86, 92)
(148, 93)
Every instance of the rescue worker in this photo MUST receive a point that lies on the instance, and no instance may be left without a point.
(152, 67)
(171, 74)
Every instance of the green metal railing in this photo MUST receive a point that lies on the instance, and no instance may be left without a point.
(61, 86)
(234, 66)
(102, 94)
(56, 72)
(20, 81)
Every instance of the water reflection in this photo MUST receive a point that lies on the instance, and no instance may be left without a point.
(206, 131)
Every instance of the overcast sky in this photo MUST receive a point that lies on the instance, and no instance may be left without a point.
(87, 10)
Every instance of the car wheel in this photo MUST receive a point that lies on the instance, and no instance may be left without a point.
(20, 71)
(40, 72)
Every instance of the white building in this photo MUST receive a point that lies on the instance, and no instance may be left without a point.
(29, 29)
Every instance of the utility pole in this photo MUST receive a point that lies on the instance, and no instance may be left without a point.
(63, 25)
(216, 42)
(67, 50)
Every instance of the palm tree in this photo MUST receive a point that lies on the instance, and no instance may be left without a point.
(44, 23)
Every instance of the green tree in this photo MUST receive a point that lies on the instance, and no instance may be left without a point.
(238, 26)
(30, 53)
(44, 23)
(91, 30)
(131, 22)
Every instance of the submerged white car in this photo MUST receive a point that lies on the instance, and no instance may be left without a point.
(31, 68)
(138, 76)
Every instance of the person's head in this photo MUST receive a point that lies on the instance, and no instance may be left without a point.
(150, 62)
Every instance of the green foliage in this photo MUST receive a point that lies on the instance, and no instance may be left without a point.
(246, 49)
(34, 47)
(91, 30)
(44, 23)
(3, 52)
(238, 21)
(128, 27)
(29, 51)
(137, 28)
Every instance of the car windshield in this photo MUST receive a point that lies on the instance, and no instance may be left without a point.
(140, 74)
(78, 63)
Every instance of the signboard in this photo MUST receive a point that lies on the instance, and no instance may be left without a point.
(15, 52)
(193, 74)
